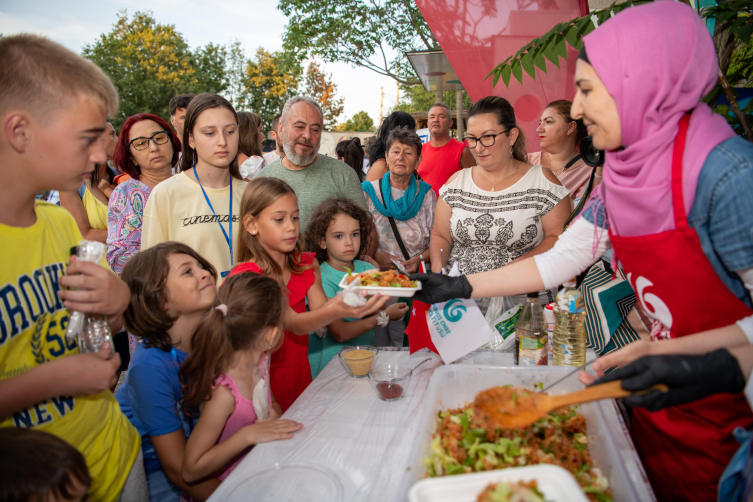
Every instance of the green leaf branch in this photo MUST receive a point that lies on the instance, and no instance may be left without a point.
(553, 45)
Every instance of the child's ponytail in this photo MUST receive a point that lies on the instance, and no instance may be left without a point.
(247, 305)
(198, 373)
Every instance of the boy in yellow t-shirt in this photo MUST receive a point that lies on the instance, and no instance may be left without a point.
(53, 108)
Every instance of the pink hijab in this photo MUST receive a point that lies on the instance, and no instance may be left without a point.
(657, 61)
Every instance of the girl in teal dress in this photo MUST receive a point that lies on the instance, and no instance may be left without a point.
(339, 234)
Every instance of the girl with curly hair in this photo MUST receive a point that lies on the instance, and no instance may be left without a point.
(338, 233)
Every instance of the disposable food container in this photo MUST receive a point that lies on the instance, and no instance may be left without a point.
(384, 291)
(554, 482)
(289, 483)
(610, 446)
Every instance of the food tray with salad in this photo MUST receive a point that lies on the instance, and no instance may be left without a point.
(388, 283)
(598, 451)
(535, 483)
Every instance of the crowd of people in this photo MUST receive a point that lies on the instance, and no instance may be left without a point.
(223, 262)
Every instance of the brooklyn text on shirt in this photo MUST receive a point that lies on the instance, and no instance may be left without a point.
(32, 294)
(32, 303)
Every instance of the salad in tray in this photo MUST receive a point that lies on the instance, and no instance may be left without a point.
(512, 492)
(386, 279)
(387, 283)
(462, 444)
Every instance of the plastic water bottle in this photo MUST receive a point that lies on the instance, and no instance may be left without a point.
(531, 339)
(569, 329)
(549, 314)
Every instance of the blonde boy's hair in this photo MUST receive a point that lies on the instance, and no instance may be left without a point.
(43, 77)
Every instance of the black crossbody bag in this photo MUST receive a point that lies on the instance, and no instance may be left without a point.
(394, 228)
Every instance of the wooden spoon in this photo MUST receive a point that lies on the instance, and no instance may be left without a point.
(510, 408)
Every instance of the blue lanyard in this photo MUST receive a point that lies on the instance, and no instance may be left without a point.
(228, 239)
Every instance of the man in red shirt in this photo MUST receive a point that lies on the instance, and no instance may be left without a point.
(442, 156)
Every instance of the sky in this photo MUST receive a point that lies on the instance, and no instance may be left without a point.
(255, 23)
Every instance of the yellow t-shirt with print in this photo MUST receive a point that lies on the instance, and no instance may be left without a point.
(33, 321)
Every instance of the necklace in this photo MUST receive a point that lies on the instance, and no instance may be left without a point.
(494, 183)
(569, 164)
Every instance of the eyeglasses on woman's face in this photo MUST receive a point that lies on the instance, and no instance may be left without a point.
(486, 140)
(142, 143)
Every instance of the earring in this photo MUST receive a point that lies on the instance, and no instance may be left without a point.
(510, 152)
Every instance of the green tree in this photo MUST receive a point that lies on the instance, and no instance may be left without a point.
(360, 122)
(271, 79)
(319, 87)
(360, 32)
(149, 63)
(236, 76)
(414, 98)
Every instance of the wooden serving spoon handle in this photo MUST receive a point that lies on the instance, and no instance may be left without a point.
(609, 390)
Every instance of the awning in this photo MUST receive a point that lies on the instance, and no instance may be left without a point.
(434, 70)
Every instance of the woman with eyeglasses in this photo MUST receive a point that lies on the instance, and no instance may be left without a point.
(501, 210)
(146, 151)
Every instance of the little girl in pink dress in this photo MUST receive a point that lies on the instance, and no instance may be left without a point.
(227, 377)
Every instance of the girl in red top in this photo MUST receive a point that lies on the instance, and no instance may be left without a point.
(272, 246)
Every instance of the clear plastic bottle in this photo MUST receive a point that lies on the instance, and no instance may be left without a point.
(569, 329)
(531, 339)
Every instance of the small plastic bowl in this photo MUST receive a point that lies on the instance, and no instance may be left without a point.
(358, 364)
(390, 381)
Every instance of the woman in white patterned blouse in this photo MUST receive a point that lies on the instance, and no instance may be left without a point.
(501, 210)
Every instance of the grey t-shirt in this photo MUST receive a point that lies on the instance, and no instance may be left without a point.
(326, 178)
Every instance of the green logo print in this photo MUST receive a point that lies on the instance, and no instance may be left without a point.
(454, 312)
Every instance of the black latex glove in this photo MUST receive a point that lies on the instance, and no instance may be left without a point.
(438, 288)
(689, 378)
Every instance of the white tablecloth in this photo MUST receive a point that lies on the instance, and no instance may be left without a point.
(349, 430)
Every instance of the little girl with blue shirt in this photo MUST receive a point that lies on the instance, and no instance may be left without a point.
(339, 233)
(172, 288)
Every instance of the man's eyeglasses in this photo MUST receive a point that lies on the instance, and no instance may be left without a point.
(486, 140)
(159, 138)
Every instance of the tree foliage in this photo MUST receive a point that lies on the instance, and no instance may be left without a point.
(236, 76)
(373, 34)
(732, 37)
(149, 63)
(414, 98)
(321, 88)
(360, 122)
(271, 79)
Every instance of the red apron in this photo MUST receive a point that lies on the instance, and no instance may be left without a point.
(683, 448)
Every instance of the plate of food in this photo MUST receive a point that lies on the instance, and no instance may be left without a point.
(536, 483)
(388, 283)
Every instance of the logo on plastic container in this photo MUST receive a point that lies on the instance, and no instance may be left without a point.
(454, 312)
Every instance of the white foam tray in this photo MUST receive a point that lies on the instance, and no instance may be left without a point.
(386, 291)
(554, 482)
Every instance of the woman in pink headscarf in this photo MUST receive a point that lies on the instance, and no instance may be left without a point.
(676, 206)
